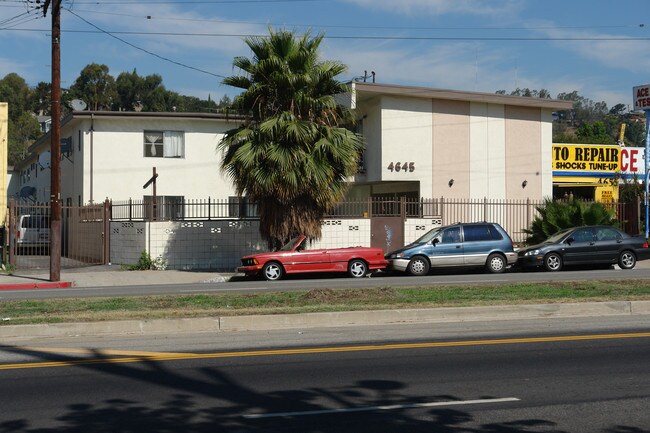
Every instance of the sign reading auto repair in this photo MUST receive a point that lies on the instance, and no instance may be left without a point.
(594, 159)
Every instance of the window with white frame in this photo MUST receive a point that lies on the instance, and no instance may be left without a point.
(164, 144)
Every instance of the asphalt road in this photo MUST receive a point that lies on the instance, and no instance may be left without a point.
(574, 376)
(302, 282)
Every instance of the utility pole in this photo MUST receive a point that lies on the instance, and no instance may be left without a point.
(55, 144)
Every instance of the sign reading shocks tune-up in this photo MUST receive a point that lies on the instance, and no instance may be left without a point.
(594, 160)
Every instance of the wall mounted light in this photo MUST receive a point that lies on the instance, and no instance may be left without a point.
(450, 183)
(524, 183)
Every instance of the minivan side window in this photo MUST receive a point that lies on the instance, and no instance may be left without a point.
(481, 232)
(451, 235)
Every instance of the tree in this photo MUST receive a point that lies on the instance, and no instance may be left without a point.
(23, 131)
(294, 154)
(130, 91)
(96, 87)
(635, 133)
(543, 93)
(595, 133)
(558, 215)
(41, 99)
(15, 91)
(584, 109)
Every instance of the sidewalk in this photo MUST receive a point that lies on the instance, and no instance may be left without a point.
(104, 275)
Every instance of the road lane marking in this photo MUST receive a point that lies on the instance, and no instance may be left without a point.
(136, 356)
(377, 408)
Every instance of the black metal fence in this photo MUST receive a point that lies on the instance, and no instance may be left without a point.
(514, 215)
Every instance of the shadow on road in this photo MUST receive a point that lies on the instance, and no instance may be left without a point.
(208, 401)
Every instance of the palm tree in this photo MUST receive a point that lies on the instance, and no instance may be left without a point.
(295, 153)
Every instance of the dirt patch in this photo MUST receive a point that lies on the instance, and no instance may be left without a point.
(331, 296)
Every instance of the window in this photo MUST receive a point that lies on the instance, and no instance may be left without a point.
(583, 235)
(451, 235)
(241, 207)
(483, 232)
(168, 207)
(164, 144)
(606, 234)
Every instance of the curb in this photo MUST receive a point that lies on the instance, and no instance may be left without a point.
(334, 319)
(39, 285)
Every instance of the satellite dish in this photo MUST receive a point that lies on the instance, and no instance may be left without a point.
(45, 159)
(78, 105)
(27, 191)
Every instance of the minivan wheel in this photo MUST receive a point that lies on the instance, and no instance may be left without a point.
(496, 263)
(553, 262)
(627, 260)
(418, 266)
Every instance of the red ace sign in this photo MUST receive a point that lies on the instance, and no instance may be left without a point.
(641, 97)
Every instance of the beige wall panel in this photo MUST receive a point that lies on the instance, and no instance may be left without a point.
(546, 170)
(523, 152)
(451, 149)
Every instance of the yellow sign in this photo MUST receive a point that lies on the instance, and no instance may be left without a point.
(606, 194)
(586, 158)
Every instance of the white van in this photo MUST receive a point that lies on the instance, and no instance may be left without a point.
(33, 231)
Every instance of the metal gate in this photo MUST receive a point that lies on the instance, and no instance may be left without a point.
(83, 240)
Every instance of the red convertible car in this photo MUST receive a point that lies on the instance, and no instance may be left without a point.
(294, 257)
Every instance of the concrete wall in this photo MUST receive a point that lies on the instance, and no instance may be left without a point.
(220, 244)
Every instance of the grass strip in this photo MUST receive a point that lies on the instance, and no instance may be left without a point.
(15, 312)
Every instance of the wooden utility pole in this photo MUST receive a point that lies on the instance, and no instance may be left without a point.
(55, 143)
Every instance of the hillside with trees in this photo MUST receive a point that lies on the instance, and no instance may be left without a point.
(589, 121)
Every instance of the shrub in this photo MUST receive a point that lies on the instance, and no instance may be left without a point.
(558, 215)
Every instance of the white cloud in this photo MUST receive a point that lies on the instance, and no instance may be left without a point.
(611, 50)
(440, 7)
(459, 66)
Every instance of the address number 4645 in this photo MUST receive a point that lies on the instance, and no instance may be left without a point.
(401, 166)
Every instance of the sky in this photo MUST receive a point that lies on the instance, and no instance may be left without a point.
(600, 48)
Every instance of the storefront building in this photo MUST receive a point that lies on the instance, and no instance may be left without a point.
(595, 171)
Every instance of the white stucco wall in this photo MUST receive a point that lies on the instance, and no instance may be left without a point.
(407, 139)
(120, 170)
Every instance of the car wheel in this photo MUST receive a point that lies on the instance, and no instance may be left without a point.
(627, 260)
(418, 266)
(553, 262)
(496, 263)
(272, 271)
(357, 268)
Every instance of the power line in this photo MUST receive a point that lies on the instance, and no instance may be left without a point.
(341, 26)
(146, 2)
(397, 38)
(142, 49)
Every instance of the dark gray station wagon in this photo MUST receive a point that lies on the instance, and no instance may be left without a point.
(458, 245)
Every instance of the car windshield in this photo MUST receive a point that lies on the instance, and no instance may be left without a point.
(429, 235)
(556, 237)
(289, 245)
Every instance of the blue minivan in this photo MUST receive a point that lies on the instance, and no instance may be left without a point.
(459, 245)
